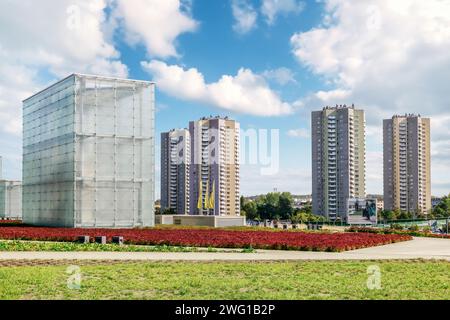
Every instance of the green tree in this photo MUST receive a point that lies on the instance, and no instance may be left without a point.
(304, 217)
(404, 215)
(300, 216)
(307, 209)
(442, 210)
(388, 215)
(169, 211)
(242, 201)
(438, 212)
(251, 210)
(397, 213)
(285, 205)
(268, 205)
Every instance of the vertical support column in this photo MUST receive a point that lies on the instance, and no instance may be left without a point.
(115, 153)
(141, 143)
(75, 141)
(96, 155)
(133, 180)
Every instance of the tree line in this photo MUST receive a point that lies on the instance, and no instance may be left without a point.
(277, 206)
(442, 210)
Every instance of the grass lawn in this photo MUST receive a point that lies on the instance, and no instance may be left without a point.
(31, 246)
(231, 280)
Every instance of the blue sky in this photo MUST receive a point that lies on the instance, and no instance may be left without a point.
(216, 49)
(265, 63)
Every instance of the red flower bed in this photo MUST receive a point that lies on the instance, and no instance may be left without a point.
(214, 238)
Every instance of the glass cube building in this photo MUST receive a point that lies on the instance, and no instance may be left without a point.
(10, 200)
(88, 153)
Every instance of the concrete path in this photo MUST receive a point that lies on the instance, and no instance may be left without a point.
(419, 248)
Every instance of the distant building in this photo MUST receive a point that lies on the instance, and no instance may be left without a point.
(435, 201)
(302, 201)
(10, 200)
(407, 176)
(88, 153)
(214, 173)
(338, 159)
(10, 197)
(175, 166)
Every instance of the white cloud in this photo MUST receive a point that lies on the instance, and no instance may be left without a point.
(54, 38)
(391, 54)
(245, 16)
(246, 92)
(156, 23)
(294, 180)
(385, 56)
(39, 44)
(272, 8)
(63, 36)
(299, 133)
(282, 75)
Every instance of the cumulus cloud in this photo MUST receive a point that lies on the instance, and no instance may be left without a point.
(272, 8)
(245, 92)
(282, 75)
(299, 133)
(156, 23)
(245, 16)
(39, 44)
(390, 54)
(385, 56)
(54, 39)
(63, 36)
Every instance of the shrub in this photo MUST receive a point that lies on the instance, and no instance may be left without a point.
(396, 226)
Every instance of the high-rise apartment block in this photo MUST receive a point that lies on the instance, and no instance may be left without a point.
(407, 177)
(175, 166)
(88, 153)
(214, 173)
(338, 159)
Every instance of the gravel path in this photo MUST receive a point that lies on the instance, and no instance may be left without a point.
(418, 248)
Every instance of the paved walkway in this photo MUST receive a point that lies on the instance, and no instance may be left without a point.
(419, 248)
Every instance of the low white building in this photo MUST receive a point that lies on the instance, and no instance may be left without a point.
(10, 200)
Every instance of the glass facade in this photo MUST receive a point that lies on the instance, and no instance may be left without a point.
(88, 153)
(10, 200)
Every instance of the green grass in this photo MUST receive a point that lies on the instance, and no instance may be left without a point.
(18, 245)
(231, 280)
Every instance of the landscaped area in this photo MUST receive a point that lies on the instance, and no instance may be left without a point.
(208, 237)
(412, 231)
(230, 280)
(33, 264)
(48, 246)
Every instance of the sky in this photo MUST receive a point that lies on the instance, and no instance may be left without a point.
(265, 63)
